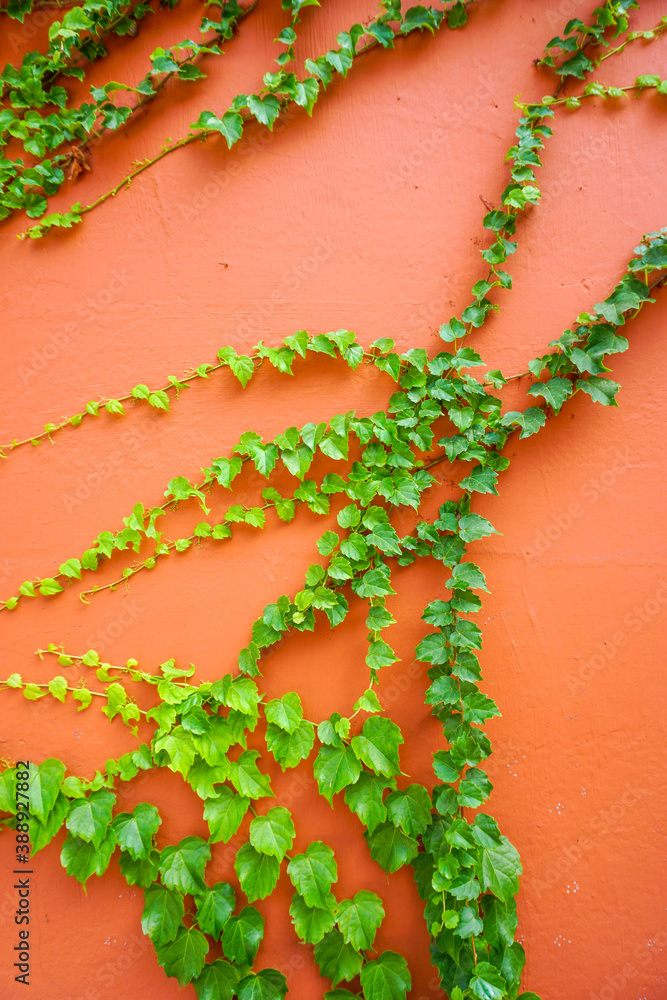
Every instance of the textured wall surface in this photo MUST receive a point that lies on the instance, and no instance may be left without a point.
(368, 217)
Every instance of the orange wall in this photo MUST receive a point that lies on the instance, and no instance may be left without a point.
(355, 219)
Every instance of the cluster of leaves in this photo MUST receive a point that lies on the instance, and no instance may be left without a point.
(467, 872)
(33, 87)
(577, 37)
(280, 90)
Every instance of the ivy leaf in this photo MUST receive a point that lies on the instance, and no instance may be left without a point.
(411, 809)
(265, 109)
(336, 959)
(365, 798)
(135, 830)
(217, 981)
(90, 817)
(481, 480)
(182, 867)
(257, 873)
(184, 957)
(601, 390)
(474, 526)
(390, 847)
(242, 936)
(42, 834)
(311, 923)
(285, 712)
(290, 748)
(555, 391)
(386, 979)
(274, 833)
(179, 747)
(248, 778)
(83, 859)
(500, 870)
(142, 872)
(487, 983)
(312, 874)
(359, 918)
(467, 575)
(45, 781)
(163, 914)
(377, 746)
(335, 768)
(230, 125)
(214, 908)
(477, 707)
(269, 984)
(224, 814)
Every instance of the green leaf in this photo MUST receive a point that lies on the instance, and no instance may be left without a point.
(365, 798)
(480, 480)
(214, 908)
(377, 746)
(179, 747)
(285, 712)
(336, 959)
(83, 859)
(487, 983)
(57, 687)
(411, 809)
(135, 830)
(257, 873)
(247, 777)
(467, 575)
(474, 526)
(501, 867)
(182, 867)
(274, 833)
(142, 872)
(242, 936)
(555, 391)
(230, 126)
(312, 874)
(601, 390)
(359, 918)
(42, 834)
(312, 922)
(163, 914)
(217, 981)
(48, 587)
(224, 814)
(185, 956)
(335, 768)
(386, 979)
(269, 984)
(290, 748)
(89, 818)
(265, 109)
(390, 847)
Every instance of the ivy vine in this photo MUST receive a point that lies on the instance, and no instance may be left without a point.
(466, 871)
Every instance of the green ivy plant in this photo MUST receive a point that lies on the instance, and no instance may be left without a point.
(466, 871)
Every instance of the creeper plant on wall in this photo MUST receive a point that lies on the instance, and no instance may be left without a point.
(466, 871)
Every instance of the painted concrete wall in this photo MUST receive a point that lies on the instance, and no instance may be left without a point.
(367, 217)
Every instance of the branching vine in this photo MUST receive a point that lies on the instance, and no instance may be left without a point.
(466, 871)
